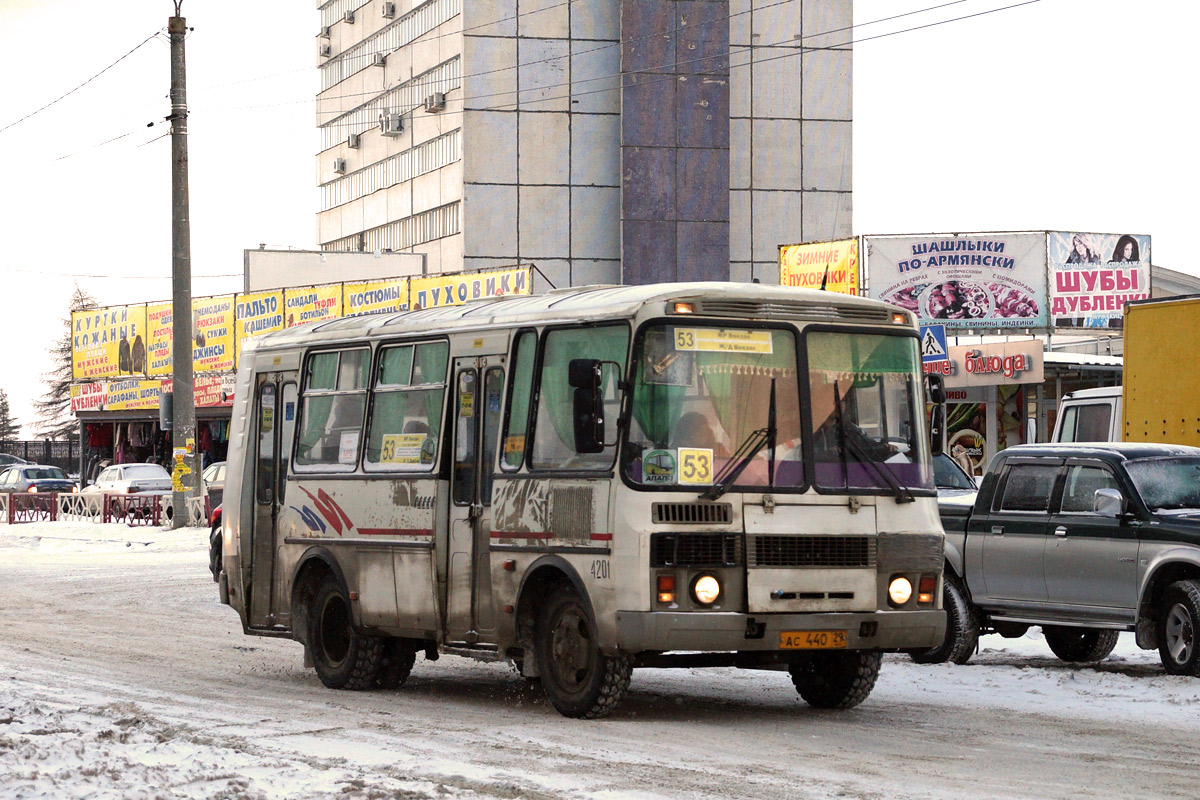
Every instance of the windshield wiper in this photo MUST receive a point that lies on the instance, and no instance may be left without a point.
(850, 443)
(747, 450)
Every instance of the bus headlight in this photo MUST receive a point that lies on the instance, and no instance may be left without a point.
(706, 589)
(900, 590)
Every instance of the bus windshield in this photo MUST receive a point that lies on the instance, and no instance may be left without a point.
(701, 393)
(867, 432)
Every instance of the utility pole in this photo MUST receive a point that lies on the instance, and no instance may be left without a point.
(185, 480)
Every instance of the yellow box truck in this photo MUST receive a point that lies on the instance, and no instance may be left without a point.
(1161, 395)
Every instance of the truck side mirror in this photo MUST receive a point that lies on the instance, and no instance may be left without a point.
(1108, 503)
(584, 374)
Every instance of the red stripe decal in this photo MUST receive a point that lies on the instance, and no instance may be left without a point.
(521, 535)
(395, 531)
(601, 537)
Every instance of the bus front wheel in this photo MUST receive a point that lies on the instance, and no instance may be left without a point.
(834, 679)
(578, 679)
(342, 657)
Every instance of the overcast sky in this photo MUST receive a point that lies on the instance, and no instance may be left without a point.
(1059, 114)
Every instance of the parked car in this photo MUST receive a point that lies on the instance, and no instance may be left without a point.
(1084, 540)
(35, 478)
(7, 460)
(214, 482)
(131, 478)
(214, 544)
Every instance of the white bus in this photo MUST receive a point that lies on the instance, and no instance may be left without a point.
(588, 481)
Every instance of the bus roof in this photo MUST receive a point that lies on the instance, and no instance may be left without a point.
(596, 303)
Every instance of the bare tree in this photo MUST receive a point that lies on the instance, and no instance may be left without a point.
(54, 406)
(10, 429)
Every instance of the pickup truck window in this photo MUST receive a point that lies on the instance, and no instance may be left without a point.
(1028, 487)
(1079, 494)
(1167, 484)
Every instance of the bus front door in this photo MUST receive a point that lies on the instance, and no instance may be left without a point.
(478, 390)
(275, 418)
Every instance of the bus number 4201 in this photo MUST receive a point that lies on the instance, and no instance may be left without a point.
(600, 569)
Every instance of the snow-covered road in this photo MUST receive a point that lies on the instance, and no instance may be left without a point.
(122, 676)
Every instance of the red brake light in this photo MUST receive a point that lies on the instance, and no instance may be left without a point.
(33, 489)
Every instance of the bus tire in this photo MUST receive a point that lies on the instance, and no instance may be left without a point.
(835, 679)
(1080, 645)
(342, 657)
(962, 627)
(396, 659)
(579, 680)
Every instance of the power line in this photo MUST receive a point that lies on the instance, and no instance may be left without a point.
(80, 86)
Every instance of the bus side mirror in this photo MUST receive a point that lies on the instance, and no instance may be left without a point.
(937, 416)
(937, 389)
(584, 374)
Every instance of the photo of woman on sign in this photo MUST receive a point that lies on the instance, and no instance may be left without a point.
(1082, 252)
(1126, 249)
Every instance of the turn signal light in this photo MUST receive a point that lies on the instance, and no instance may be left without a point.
(684, 308)
(666, 588)
(899, 319)
(925, 589)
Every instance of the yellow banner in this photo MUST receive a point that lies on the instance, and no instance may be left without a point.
(374, 297)
(212, 330)
(723, 340)
(159, 330)
(257, 313)
(131, 395)
(108, 342)
(312, 304)
(805, 266)
(452, 290)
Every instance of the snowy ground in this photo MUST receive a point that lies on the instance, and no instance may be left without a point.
(121, 676)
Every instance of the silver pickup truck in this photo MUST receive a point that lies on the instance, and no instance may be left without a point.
(1084, 540)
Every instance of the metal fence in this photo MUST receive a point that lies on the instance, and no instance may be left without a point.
(64, 455)
(131, 509)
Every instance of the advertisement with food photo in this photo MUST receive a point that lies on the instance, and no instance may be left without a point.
(962, 280)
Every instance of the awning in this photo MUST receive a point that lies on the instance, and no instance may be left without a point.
(1064, 360)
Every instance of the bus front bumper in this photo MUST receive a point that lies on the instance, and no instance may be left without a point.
(662, 631)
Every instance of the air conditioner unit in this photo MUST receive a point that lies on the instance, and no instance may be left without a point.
(391, 124)
(353, 141)
(326, 31)
(348, 18)
(378, 59)
(389, 10)
(326, 50)
(339, 166)
(435, 102)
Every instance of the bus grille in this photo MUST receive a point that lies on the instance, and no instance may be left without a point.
(812, 551)
(695, 550)
(692, 513)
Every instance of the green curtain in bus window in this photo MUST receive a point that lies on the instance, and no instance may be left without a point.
(656, 409)
(352, 370)
(872, 355)
(322, 372)
(555, 398)
(395, 366)
(429, 366)
(517, 424)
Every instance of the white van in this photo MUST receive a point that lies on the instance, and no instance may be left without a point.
(1089, 415)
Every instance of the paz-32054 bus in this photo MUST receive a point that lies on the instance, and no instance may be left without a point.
(588, 481)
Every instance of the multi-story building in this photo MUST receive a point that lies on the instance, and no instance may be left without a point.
(605, 141)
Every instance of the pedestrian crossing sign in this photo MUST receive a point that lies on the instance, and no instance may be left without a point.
(933, 343)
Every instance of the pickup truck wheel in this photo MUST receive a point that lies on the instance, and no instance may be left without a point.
(1179, 629)
(342, 657)
(1080, 644)
(962, 627)
(578, 679)
(835, 679)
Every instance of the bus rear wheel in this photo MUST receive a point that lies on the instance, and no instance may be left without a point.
(578, 679)
(342, 657)
(835, 679)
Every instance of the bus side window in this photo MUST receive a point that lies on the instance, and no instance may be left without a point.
(554, 427)
(406, 411)
(332, 406)
(520, 391)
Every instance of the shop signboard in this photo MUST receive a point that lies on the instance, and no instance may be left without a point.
(136, 394)
(1093, 276)
(312, 304)
(257, 313)
(159, 329)
(1000, 363)
(969, 281)
(108, 342)
(209, 391)
(88, 396)
(212, 330)
(374, 297)
(832, 266)
(452, 290)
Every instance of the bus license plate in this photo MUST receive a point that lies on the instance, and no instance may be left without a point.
(812, 640)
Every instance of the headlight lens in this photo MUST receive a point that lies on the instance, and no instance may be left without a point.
(900, 590)
(706, 589)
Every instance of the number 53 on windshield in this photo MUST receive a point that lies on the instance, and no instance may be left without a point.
(696, 465)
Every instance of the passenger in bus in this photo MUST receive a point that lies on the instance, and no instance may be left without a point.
(694, 430)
